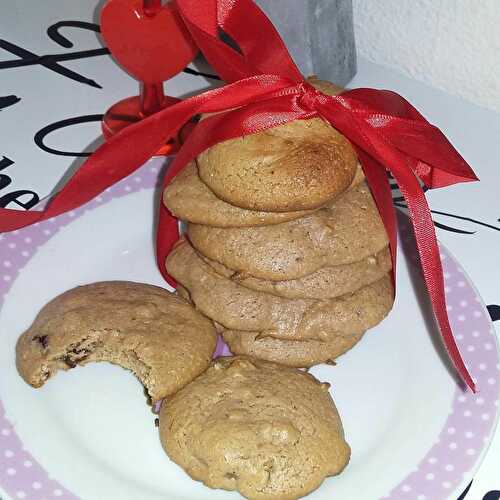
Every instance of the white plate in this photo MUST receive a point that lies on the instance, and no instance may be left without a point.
(88, 433)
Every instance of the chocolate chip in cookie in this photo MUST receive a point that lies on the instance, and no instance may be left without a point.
(155, 334)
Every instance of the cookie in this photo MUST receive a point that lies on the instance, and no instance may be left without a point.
(325, 283)
(265, 430)
(238, 308)
(324, 86)
(300, 165)
(160, 337)
(189, 199)
(296, 353)
(347, 230)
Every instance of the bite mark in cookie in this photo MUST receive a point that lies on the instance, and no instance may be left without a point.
(155, 334)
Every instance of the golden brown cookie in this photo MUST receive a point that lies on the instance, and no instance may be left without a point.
(238, 308)
(300, 165)
(161, 338)
(189, 199)
(347, 230)
(324, 86)
(296, 353)
(325, 283)
(265, 430)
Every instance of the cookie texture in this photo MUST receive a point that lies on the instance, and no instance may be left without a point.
(345, 231)
(265, 430)
(189, 199)
(295, 353)
(238, 308)
(155, 334)
(324, 86)
(300, 165)
(325, 283)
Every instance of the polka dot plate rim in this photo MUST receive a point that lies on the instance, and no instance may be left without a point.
(28, 470)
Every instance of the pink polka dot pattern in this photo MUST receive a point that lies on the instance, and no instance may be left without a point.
(471, 422)
(462, 438)
(221, 348)
(21, 476)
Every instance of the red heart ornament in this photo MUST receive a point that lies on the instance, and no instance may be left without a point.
(153, 48)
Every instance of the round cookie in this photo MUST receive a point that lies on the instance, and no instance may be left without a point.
(345, 231)
(295, 353)
(160, 337)
(324, 86)
(300, 165)
(238, 308)
(325, 283)
(265, 430)
(188, 198)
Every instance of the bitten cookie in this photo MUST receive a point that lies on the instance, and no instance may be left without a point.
(300, 165)
(347, 230)
(160, 337)
(189, 199)
(238, 308)
(265, 430)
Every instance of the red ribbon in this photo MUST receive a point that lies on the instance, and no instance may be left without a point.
(265, 89)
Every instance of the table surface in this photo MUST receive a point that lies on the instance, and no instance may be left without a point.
(46, 117)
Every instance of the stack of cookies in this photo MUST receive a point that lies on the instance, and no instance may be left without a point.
(285, 248)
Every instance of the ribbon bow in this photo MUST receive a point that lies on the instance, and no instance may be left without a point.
(265, 89)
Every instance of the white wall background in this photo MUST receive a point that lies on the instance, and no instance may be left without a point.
(450, 44)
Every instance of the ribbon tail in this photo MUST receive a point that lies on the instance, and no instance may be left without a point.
(112, 162)
(133, 146)
(167, 235)
(167, 231)
(369, 139)
(428, 249)
(378, 182)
